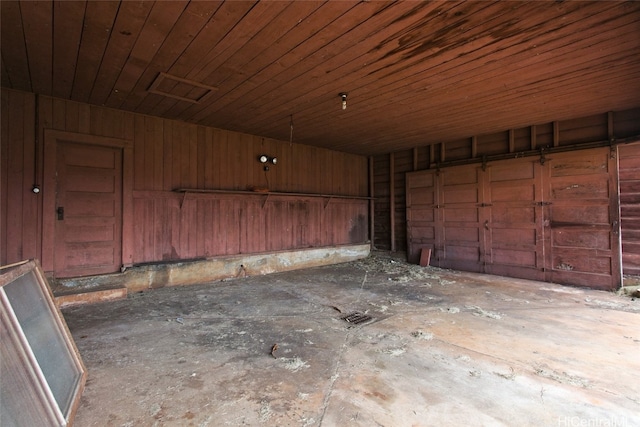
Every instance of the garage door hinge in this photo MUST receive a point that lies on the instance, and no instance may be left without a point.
(541, 203)
(484, 205)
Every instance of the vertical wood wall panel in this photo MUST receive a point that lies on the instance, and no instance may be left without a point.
(19, 205)
(165, 225)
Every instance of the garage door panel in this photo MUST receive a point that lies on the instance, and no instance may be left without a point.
(422, 215)
(461, 215)
(515, 238)
(584, 261)
(423, 196)
(507, 173)
(585, 164)
(460, 175)
(423, 233)
(513, 192)
(458, 255)
(596, 239)
(580, 189)
(459, 194)
(514, 257)
(461, 234)
(580, 214)
(508, 214)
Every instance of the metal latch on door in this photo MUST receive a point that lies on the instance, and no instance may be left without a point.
(60, 212)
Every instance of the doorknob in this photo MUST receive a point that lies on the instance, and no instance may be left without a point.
(60, 212)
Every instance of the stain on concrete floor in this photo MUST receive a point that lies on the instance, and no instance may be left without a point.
(446, 349)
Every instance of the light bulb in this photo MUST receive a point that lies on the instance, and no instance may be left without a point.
(343, 95)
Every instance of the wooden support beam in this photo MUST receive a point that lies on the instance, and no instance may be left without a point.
(610, 132)
(556, 134)
(372, 229)
(392, 201)
(534, 142)
(432, 155)
(442, 152)
(415, 159)
(474, 147)
(512, 141)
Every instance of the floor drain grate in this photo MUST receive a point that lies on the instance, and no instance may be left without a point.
(357, 318)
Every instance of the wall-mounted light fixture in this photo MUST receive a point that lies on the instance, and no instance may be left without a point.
(343, 97)
(264, 159)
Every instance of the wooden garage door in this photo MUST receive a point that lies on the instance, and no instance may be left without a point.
(422, 220)
(460, 246)
(88, 210)
(554, 220)
(444, 215)
(582, 214)
(514, 232)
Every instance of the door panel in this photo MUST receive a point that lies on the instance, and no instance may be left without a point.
(88, 209)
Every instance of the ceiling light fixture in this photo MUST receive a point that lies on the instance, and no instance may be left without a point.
(343, 96)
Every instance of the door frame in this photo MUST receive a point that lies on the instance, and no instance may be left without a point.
(49, 190)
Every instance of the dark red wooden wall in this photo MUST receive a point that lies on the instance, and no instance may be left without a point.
(322, 198)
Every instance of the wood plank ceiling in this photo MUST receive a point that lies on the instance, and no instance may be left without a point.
(416, 73)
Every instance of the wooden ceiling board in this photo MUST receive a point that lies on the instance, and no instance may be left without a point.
(273, 76)
(223, 61)
(98, 22)
(4, 74)
(174, 49)
(264, 49)
(417, 73)
(69, 17)
(400, 80)
(14, 56)
(468, 80)
(218, 26)
(385, 99)
(126, 29)
(343, 63)
(160, 21)
(37, 24)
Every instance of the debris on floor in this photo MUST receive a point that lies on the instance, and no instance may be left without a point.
(446, 348)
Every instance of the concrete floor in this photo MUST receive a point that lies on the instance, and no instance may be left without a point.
(444, 348)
